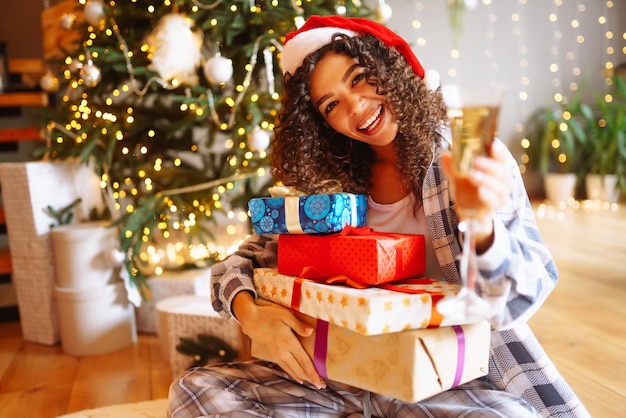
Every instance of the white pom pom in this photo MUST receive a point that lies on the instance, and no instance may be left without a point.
(432, 80)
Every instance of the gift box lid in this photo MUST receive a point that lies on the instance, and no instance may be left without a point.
(310, 214)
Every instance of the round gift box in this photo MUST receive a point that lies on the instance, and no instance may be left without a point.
(80, 255)
(95, 321)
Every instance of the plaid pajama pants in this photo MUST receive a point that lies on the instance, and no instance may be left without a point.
(261, 389)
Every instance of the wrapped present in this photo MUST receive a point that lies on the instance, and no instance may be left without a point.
(409, 366)
(188, 316)
(361, 254)
(401, 306)
(312, 214)
(170, 283)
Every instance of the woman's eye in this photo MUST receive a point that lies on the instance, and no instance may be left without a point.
(358, 78)
(330, 107)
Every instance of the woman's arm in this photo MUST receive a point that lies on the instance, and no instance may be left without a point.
(272, 328)
(517, 268)
(234, 275)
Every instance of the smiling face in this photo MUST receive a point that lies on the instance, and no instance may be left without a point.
(349, 104)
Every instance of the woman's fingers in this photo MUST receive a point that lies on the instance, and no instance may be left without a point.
(274, 337)
(489, 174)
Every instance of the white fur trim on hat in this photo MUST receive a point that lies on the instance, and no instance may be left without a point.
(304, 43)
(432, 80)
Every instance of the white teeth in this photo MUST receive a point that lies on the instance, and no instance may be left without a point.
(369, 124)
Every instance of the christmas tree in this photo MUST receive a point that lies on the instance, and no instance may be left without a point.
(174, 103)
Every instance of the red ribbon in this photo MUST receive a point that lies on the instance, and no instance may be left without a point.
(311, 274)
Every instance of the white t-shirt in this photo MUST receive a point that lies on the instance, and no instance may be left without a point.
(399, 218)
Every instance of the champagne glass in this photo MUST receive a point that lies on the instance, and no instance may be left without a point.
(473, 115)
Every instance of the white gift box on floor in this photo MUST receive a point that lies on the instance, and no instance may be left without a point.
(27, 191)
(187, 316)
(169, 284)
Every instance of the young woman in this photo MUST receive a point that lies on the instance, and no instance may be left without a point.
(359, 109)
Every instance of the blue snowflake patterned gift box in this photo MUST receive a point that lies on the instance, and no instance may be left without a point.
(310, 214)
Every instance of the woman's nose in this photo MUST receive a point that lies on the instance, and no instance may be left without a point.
(355, 103)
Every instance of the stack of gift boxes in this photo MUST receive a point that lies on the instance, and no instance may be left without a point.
(376, 321)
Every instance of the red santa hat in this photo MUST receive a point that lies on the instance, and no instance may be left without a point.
(319, 30)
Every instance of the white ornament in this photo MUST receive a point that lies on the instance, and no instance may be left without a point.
(94, 12)
(175, 48)
(67, 21)
(114, 257)
(259, 139)
(218, 69)
(49, 82)
(383, 12)
(75, 65)
(471, 4)
(90, 74)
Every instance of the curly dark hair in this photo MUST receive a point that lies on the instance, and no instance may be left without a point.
(306, 150)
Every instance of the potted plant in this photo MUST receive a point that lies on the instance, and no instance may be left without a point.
(556, 134)
(604, 162)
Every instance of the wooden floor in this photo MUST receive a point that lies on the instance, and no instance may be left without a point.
(582, 326)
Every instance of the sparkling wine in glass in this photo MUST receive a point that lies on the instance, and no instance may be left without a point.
(473, 115)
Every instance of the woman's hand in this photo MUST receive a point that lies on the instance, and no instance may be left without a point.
(273, 331)
(492, 177)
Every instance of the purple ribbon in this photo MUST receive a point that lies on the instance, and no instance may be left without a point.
(321, 347)
(460, 358)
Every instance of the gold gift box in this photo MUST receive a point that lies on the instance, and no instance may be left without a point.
(409, 365)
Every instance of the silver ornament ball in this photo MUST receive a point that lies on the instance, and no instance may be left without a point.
(90, 74)
(94, 12)
(67, 21)
(49, 82)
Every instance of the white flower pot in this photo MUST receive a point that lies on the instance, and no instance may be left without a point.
(602, 188)
(80, 252)
(559, 188)
(95, 320)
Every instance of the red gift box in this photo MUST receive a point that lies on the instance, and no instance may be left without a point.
(361, 254)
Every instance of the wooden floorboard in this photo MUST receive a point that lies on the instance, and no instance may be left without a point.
(581, 326)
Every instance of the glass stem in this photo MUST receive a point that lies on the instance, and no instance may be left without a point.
(469, 266)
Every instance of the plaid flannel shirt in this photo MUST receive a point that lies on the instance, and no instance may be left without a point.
(518, 363)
